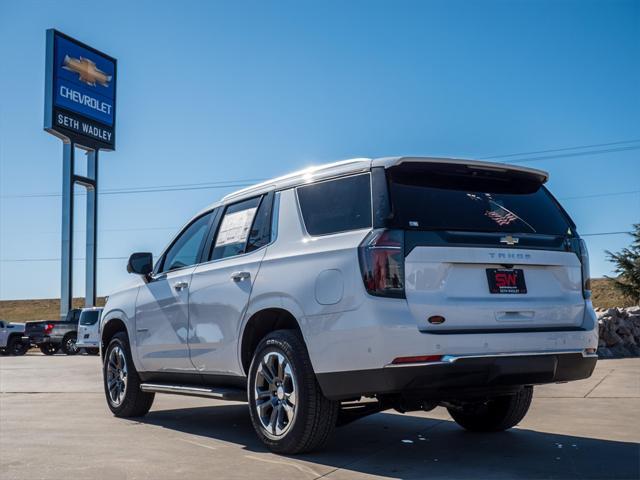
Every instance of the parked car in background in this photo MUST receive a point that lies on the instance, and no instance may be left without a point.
(52, 335)
(350, 288)
(89, 330)
(11, 342)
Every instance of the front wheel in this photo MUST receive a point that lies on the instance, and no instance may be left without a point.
(49, 348)
(496, 414)
(287, 408)
(121, 381)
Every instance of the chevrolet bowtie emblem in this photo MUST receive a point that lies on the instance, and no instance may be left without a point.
(86, 70)
(509, 240)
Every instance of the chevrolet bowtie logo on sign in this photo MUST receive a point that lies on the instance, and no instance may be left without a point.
(87, 71)
(80, 103)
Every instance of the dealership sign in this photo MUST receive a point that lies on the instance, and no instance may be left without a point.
(80, 93)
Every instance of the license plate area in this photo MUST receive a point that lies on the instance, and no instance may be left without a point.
(506, 280)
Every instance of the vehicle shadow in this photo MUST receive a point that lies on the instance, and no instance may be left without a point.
(408, 447)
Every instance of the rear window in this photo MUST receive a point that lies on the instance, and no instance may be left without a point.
(336, 205)
(89, 318)
(458, 198)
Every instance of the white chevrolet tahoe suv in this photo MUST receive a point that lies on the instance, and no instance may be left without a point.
(343, 290)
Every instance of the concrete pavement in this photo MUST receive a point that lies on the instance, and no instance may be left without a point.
(54, 423)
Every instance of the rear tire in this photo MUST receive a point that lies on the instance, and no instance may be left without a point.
(69, 344)
(92, 351)
(17, 347)
(288, 410)
(496, 414)
(121, 381)
(49, 348)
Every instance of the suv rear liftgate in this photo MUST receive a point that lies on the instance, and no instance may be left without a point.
(473, 250)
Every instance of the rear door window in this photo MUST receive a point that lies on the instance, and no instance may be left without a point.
(449, 199)
(260, 234)
(336, 205)
(235, 231)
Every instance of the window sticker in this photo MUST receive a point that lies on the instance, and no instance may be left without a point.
(235, 227)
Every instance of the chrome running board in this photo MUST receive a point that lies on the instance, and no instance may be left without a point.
(219, 393)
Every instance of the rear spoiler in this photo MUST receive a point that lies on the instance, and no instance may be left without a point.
(387, 162)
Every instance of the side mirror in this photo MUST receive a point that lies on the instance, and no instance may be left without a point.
(140, 263)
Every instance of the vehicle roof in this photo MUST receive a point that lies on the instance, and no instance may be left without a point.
(356, 165)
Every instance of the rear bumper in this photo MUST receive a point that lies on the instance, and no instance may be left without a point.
(37, 339)
(459, 376)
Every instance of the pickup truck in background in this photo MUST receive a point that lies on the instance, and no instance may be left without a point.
(11, 338)
(89, 330)
(52, 335)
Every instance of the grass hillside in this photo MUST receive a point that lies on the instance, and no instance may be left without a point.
(40, 309)
(604, 296)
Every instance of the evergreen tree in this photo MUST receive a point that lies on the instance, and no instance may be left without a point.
(627, 263)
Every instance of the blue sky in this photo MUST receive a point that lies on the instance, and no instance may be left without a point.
(219, 91)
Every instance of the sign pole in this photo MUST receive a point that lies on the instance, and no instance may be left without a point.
(66, 264)
(92, 229)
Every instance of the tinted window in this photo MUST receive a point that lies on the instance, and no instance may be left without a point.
(424, 197)
(235, 228)
(73, 316)
(336, 205)
(89, 317)
(261, 230)
(186, 248)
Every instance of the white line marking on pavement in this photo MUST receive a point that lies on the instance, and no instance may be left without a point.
(210, 447)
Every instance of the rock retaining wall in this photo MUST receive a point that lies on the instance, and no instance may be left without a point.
(619, 330)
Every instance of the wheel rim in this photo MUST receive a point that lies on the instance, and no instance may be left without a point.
(116, 376)
(71, 345)
(275, 394)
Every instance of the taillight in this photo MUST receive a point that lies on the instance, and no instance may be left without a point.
(381, 256)
(586, 274)
(47, 328)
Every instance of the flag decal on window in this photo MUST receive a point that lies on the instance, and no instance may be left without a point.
(501, 218)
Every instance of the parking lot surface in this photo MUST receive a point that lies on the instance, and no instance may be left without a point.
(54, 423)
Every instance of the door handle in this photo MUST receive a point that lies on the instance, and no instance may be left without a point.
(180, 285)
(240, 276)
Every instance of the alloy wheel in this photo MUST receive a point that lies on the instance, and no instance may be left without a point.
(70, 346)
(116, 375)
(275, 394)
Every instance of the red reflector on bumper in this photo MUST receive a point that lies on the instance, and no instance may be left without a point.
(417, 359)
